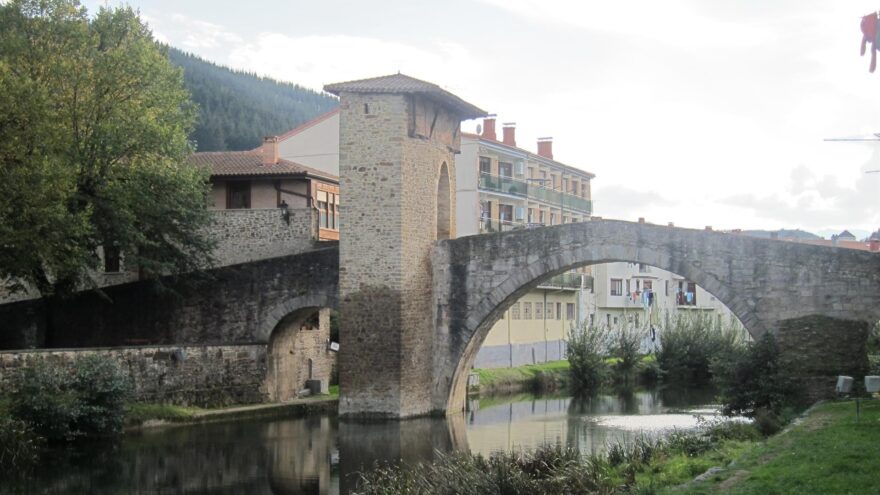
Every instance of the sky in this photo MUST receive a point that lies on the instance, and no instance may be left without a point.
(701, 113)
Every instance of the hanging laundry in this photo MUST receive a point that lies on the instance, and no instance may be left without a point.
(869, 35)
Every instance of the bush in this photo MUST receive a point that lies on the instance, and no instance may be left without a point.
(750, 380)
(63, 403)
(586, 356)
(690, 343)
(625, 344)
(19, 445)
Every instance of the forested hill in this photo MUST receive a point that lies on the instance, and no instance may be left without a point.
(238, 109)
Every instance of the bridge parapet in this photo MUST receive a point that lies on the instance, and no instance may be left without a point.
(767, 284)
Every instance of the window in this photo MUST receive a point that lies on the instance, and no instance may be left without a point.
(527, 311)
(553, 219)
(608, 319)
(643, 268)
(638, 285)
(485, 165)
(559, 311)
(637, 319)
(592, 319)
(328, 208)
(539, 311)
(238, 195)
(549, 311)
(569, 311)
(514, 311)
(505, 169)
(583, 191)
(505, 213)
(531, 215)
(649, 285)
(628, 288)
(616, 287)
(615, 320)
(541, 219)
(666, 284)
(111, 259)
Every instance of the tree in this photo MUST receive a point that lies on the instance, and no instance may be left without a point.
(93, 145)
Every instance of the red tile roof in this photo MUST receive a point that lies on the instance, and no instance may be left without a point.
(400, 83)
(250, 163)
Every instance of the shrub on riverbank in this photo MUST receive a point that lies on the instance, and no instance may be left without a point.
(556, 469)
(19, 446)
(689, 344)
(587, 346)
(752, 383)
(63, 403)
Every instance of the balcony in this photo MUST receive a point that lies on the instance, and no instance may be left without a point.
(490, 225)
(505, 185)
(552, 197)
(564, 281)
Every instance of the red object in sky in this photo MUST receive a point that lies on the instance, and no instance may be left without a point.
(869, 35)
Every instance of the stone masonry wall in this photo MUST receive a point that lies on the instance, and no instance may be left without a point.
(237, 304)
(250, 235)
(389, 180)
(764, 282)
(370, 181)
(241, 235)
(206, 376)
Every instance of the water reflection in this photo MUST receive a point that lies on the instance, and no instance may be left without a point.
(322, 455)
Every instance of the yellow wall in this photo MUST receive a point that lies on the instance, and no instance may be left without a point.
(509, 330)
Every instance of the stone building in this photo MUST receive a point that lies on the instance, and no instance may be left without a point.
(261, 178)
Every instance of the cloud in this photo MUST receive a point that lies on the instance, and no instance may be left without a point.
(670, 22)
(313, 61)
(617, 201)
(819, 201)
(202, 34)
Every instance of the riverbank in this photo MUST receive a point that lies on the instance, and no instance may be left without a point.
(544, 377)
(532, 378)
(146, 415)
(827, 452)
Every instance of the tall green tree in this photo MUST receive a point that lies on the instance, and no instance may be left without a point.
(93, 145)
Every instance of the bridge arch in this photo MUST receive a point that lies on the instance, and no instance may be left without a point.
(804, 294)
(312, 300)
(519, 282)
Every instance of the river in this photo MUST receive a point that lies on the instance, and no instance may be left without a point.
(322, 455)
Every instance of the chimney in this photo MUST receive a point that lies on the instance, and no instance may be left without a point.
(269, 151)
(509, 129)
(545, 147)
(489, 128)
(641, 219)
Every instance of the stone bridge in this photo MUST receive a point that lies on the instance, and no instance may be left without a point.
(236, 304)
(819, 301)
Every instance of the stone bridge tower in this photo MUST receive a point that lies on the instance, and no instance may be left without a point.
(397, 140)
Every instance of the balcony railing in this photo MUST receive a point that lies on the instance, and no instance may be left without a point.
(563, 281)
(491, 225)
(516, 187)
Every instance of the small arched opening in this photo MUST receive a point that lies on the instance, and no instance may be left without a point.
(298, 355)
(444, 204)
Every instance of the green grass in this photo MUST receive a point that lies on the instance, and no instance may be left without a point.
(499, 378)
(137, 413)
(494, 379)
(828, 453)
(334, 390)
